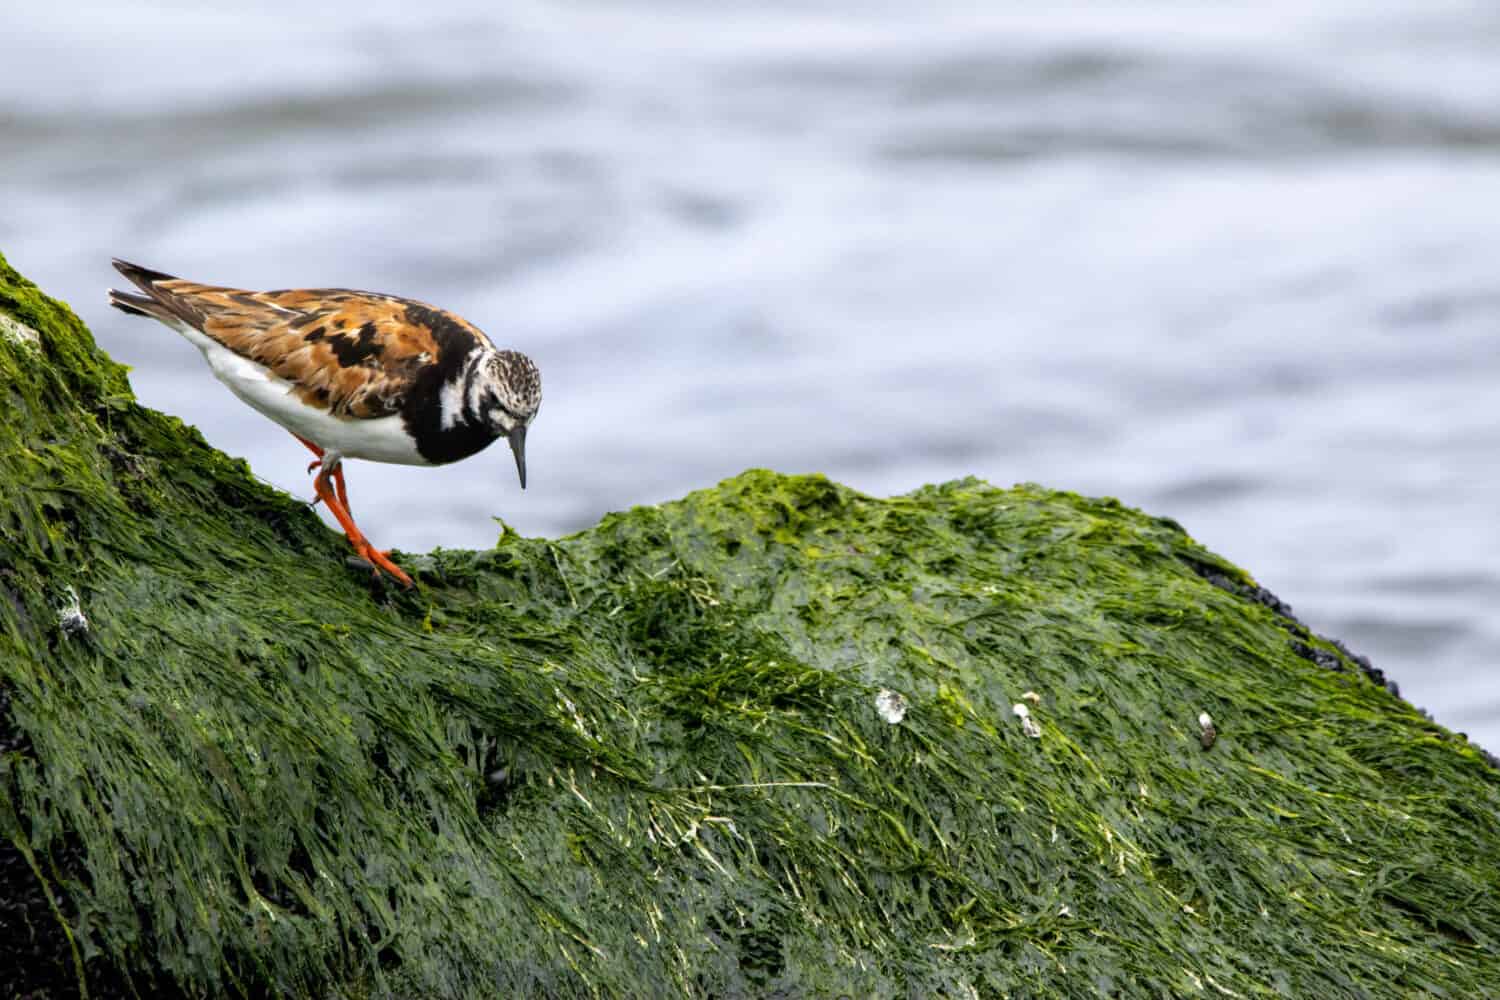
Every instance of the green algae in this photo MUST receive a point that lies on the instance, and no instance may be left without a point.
(647, 759)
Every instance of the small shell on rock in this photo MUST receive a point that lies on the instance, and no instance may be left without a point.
(1207, 733)
(70, 617)
(891, 705)
(1028, 724)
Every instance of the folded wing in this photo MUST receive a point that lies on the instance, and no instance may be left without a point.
(358, 354)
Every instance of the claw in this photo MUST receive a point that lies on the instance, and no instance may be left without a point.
(379, 560)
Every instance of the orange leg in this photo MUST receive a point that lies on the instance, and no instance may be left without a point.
(337, 499)
(362, 546)
(338, 472)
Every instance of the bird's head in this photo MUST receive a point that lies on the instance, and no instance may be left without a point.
(512, 395)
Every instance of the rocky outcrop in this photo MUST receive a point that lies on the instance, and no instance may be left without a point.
(774, 739)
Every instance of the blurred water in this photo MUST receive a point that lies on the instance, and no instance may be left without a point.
(1237, 267)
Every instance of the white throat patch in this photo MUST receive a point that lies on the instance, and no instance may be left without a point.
(461, 391)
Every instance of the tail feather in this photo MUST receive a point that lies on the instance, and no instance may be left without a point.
(158, 303)
(139, 305)
(141, 277)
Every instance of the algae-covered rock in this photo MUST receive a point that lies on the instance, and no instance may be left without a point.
(776, 738)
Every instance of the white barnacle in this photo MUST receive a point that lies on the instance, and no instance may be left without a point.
(891, 705)
(70, 617)
(1028, 724)
(1207, 731)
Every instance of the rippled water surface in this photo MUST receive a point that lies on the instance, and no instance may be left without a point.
(1235, 267)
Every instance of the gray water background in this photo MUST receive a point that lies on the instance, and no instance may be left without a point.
(1240, 266)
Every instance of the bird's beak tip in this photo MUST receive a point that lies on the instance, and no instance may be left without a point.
(517, 438)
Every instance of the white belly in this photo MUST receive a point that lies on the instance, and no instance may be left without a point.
(382, 439)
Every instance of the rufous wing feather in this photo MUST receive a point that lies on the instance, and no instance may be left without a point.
(355, 353)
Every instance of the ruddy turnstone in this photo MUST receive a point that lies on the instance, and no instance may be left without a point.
(351, 375)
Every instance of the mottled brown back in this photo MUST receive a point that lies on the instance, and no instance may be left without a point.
(355, 353)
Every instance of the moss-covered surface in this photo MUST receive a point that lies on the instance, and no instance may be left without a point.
(647, 760)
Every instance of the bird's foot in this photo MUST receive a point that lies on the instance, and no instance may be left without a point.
(380, 561)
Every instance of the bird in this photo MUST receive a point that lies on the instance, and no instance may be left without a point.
(351, 375)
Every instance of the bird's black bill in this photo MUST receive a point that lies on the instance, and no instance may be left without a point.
(517, 438)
